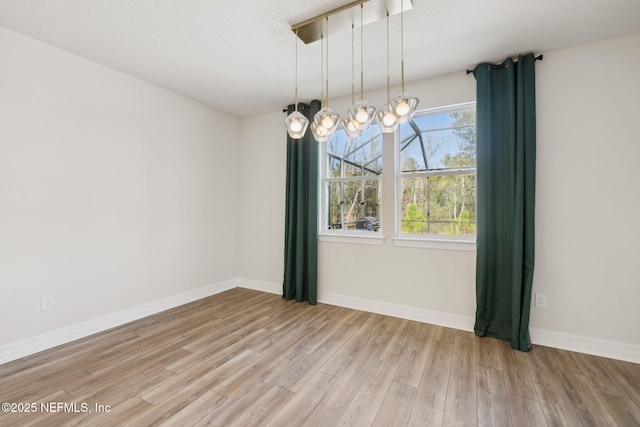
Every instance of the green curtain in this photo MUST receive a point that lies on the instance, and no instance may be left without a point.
(506, 166)
(301, 216)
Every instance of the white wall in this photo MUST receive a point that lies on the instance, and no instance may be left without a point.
(113, 192)
(587, 195)
(262, 170)
(587, 205)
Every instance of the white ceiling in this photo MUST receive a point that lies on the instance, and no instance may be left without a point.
(238, 56)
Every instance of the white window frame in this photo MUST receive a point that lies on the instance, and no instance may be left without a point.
(342, 235)
(427, 241)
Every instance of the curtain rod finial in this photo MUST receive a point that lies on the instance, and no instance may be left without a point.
(537, 58)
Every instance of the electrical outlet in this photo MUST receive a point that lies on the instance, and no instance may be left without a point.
(47, 303)
(541, 301)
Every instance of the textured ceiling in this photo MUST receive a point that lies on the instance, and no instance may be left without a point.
(238, 56)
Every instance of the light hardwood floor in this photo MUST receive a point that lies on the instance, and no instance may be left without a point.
(243, 358)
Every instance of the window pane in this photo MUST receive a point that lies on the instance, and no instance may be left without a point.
(411, 155)
(439, 141)
(372, 204)
(334, 199)
(367, 151)
(439, 205)
(352, 204)
(374, 167)
(414, 205)
(352, 169)
(362, 156)
(333, 165)
(337, 145)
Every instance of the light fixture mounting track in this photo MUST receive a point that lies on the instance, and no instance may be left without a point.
(344, 16)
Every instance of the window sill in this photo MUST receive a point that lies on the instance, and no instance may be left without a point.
(357, 239)
(436, 243)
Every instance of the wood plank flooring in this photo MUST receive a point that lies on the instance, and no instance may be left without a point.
(247, 358)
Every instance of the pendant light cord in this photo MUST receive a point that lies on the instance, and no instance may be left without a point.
(402, 39)
(327, 60)
(361, 56)
(321, 69)
(388, 72)
(295, 106)
(353, 64)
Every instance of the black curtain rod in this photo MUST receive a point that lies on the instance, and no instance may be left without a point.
(494, 67)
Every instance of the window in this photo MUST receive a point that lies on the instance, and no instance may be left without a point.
(436, 170)
(351, 181)
(435, 189)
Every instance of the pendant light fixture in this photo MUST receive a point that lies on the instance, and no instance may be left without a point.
(404, 105)
(327, 118)
(349, 125)
(361, 113)
(295, 122)
(387, 118)
(320, 134)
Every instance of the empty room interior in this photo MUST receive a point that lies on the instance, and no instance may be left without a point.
(440, 234)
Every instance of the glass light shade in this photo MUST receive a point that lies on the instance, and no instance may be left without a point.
(350, 128)
(387, 119)
(404, 105)
(362, 113)
(327, 119)
(319, 133)
(296, 125)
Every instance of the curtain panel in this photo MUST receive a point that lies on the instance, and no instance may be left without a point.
(301, 214)
(506, 166)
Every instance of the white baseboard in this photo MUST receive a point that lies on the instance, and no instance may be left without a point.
(29, 346)
(372, 306)
(398, 310)
(577, 343)
(587, 345)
